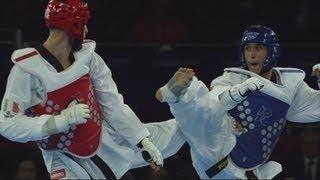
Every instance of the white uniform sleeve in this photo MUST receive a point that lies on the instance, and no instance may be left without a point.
(305, 107)
(23, 91)
(221, 83)
(114, 111)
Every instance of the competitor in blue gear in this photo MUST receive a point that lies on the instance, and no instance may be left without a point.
(258, 95)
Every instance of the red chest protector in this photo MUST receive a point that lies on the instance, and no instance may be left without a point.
(80, 140)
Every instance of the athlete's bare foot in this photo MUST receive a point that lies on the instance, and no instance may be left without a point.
(179, 81)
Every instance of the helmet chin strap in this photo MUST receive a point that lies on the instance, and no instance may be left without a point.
(76, 45)
(265, 73)
(264, 67)
(264, 70)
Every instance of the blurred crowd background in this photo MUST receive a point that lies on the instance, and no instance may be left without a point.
(145, 41)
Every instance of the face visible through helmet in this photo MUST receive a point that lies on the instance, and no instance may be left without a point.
(259, 49)
(255, 55)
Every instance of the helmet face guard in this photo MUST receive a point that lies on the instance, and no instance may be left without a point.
(262, 35)
(71, 16)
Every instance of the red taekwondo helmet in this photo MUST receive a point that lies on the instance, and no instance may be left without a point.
(68, 15)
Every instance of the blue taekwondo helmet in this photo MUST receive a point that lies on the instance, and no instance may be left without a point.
(263, 35)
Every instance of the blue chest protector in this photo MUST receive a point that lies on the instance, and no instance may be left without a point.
(263, 116)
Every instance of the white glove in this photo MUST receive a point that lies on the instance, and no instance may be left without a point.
(241, 91)
(177, 85)
(316, 67)
(75, 113)
(150, 153)
(230, 98)
(316, 71)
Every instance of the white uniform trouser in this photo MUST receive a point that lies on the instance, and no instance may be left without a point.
(266, 170)
(116, 152)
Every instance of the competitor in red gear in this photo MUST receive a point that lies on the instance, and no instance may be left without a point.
(61, 95)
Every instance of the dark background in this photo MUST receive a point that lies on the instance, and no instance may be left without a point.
(145, 41)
